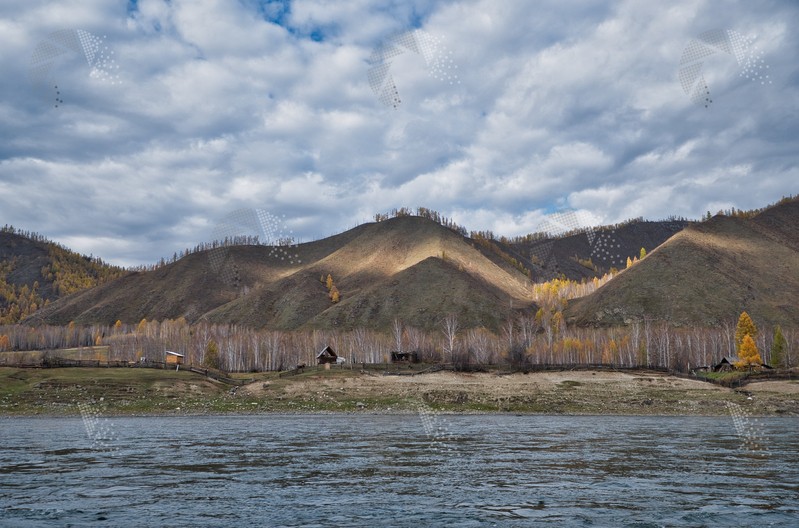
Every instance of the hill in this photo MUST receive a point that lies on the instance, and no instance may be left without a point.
(592, 253)
(707, 274)
(35, 272)
(408, 267)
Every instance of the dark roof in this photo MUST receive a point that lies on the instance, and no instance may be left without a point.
(733, 360)
(327, 352)
(728, 359)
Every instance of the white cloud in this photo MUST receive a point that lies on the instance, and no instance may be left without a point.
(224, 105)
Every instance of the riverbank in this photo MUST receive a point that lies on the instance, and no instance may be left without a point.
(126, 391)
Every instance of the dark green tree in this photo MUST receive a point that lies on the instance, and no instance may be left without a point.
(211, 359)
(778, 346)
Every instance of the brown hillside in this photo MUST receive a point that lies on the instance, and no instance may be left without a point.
(563, 254)
(407, 267)
(35, 272)
(707, 274)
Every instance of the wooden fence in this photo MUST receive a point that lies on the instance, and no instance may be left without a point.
(753, 377)
(406, 369)
(218, 375)
(399, 369)
(57, 362)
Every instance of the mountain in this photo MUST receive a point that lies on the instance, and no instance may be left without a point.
(707, 274)
(35, 272)
(590, 253)
(409, 268)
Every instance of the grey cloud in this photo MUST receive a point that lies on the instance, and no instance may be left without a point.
(225, 106)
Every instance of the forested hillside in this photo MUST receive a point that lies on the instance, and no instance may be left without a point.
(35, 271)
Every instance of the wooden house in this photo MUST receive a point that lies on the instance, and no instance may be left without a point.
(326, 356)
(405, 357)
(173, 358)
(726, 364)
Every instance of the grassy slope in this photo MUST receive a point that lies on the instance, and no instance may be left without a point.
(373, 265)
(708, 274)
(630, 238)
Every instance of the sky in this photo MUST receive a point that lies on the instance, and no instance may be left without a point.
(134, 129)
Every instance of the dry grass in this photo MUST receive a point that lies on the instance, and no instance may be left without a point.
(406, 267)
(707, 274)
(547, 392)
(150, 391)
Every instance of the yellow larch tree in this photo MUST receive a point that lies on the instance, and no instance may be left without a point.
(748, 355)
(746, 327)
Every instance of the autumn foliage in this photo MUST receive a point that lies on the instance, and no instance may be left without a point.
(332, 291)
(746, 327)
(63, 272)
(748, 355)
(745, 334)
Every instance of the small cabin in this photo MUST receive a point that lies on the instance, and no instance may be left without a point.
(405, 357)
(173, 358)
(326, 356)
(726, 364)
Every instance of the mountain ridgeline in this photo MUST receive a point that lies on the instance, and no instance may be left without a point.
(415, 270)
(407, 268)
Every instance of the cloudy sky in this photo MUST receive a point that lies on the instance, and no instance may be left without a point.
(170, 115)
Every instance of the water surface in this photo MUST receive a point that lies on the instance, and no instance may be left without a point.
(366, 470)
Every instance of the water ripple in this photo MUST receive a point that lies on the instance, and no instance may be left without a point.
(383, 471)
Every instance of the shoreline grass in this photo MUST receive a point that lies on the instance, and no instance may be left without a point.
(152, 392)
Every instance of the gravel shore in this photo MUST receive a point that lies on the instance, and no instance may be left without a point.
(149, 392)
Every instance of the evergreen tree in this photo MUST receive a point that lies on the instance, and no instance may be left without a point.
(778, 346)
(642, 254)
(211, 359)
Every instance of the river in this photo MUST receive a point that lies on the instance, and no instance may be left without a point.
(399, 470)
